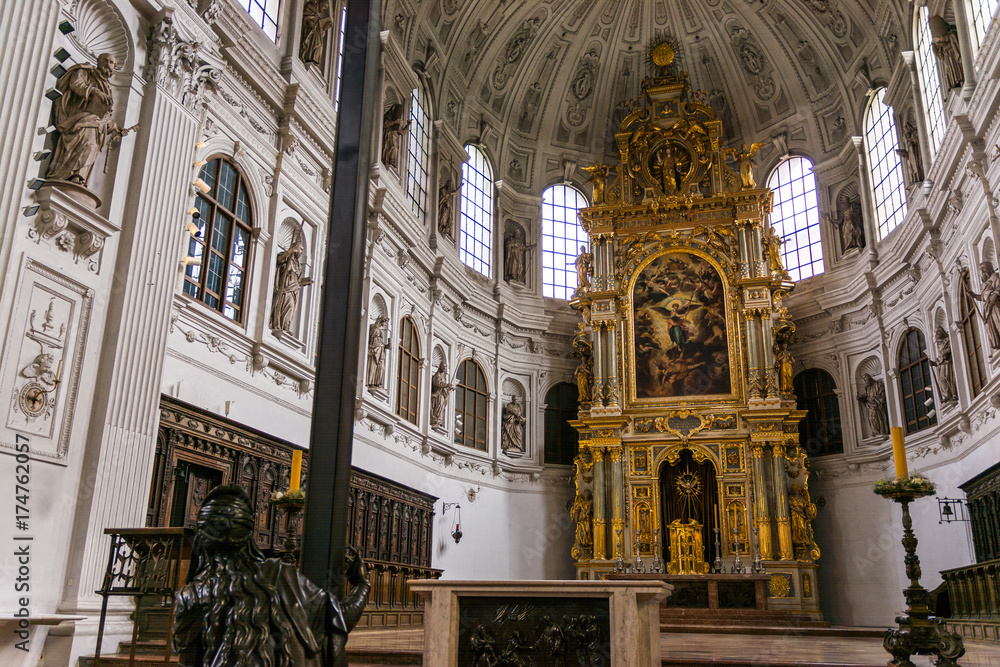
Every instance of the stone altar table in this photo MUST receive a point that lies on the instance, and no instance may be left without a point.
(614, 623)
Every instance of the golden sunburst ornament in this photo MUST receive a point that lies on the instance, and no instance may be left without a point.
(663, 54)
(688, 484)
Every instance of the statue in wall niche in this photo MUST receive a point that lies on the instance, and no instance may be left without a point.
(446, 204)
(316, 21)
(288, 284)
(237, 604)
(990, 296)
(584, 270)
(584, 380)
(440, 388)
(393, 128)
(515, 249)
(873, 404)
(913, 159)
(376, 351)
(599, 177)
(944, 42)
(802, 511)
(83, 119)
(512, 432)
(851, 226)
(944, 366)
(783, 361)
(582, 513)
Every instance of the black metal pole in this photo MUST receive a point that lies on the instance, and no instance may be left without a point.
(325, 525)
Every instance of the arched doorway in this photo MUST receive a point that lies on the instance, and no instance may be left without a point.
(688, 491)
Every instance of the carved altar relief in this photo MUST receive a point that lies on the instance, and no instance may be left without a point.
(49, 326)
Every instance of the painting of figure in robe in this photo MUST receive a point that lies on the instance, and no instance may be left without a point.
(681, 348)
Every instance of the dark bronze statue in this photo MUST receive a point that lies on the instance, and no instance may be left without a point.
(239, 609)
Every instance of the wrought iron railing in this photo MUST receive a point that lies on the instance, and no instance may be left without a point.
(974, 591)
(143, 562)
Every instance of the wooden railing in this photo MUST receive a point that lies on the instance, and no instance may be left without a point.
(974, 591)
(391, 604)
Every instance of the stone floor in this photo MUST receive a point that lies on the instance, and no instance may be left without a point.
(723, 650)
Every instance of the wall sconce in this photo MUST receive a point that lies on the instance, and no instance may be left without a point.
(457, 533)
(951, 509)
(192, 227)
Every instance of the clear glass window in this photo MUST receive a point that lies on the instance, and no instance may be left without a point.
(265, 14)
(418, 141)
(930, 82)
(562, 237)
(885, 169)
(795, 217)
(982, 17)
(476, 215)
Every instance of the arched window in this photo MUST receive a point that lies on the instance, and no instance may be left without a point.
(915, 383)
(265, 14)
(970, 335)
(419, 139)
(884, 169)
(475, 237)
(561, 406)
(562, 237)
(795, 217)
(408, 377)
(930, 81)
(982, 16)
(222, 250)
(819, 432)
(471, 396)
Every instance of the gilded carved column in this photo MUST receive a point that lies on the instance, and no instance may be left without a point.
(754, 374)
(600, 507)
(598, 393)
(771, 388)
(761, 512)
(617, 499)
(781, 515)
(613, 392)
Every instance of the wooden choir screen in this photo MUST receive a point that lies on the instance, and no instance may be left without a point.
(390, 524)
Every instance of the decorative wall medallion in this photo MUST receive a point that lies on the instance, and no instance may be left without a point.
(780, 585)
(734, 458)
(514, 52)
(640, 461)
(41, 379)
(642, 492)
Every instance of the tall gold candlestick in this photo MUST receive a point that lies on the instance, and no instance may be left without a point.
(899, 452)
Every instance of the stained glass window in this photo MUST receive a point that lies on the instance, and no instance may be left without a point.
(915, 383)
(982, 17)
(471, 400)
(408, 378)
(819, 432)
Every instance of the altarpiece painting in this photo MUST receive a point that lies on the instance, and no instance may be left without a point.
(680, 339)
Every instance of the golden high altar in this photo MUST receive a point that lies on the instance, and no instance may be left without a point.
(688, 420)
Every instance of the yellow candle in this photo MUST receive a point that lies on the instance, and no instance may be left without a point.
(296, 470)
(899, 452)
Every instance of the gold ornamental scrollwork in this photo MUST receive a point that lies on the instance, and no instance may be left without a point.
(681, 423)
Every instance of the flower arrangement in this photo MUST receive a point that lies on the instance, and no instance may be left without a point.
(917, 485)
(289, 498)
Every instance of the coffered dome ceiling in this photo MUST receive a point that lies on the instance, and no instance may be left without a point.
(540, 81)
